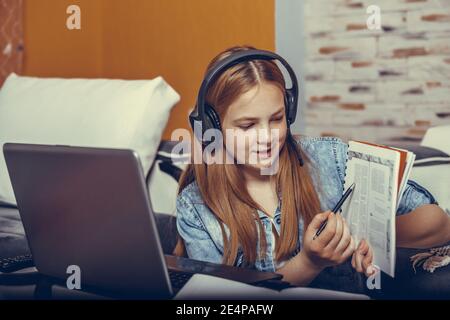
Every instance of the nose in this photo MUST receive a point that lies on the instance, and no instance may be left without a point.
(264, 136)
(268, 138)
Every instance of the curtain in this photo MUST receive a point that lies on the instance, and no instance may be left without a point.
(11, 38)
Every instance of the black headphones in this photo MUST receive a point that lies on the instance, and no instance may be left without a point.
(206, 114)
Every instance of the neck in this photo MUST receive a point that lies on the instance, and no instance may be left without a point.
(253, 177)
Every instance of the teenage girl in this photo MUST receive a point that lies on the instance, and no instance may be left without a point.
(233, 214)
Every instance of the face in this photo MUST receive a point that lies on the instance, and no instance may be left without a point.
(257, 123)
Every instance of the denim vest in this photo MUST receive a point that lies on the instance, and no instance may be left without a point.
(201, 231)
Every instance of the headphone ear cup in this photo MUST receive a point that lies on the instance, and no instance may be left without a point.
(290, 107)
(211, 118)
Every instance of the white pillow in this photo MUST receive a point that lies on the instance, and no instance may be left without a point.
(83, 112)
(163, 189)
(436, 179)
(437, 137)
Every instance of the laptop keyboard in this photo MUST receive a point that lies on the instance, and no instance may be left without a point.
(179, 278)
(13, 264)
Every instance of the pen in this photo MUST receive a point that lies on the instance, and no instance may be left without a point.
(336, 209)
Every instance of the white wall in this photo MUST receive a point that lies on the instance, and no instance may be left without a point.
(381, 86)
(290, 45)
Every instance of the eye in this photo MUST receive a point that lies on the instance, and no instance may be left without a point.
(277, 119)
(245, 127)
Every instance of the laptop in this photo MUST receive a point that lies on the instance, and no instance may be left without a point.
(90, 208)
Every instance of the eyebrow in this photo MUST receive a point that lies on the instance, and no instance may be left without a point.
(253, 118)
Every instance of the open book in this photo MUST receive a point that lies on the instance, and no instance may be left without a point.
(380, 174)
(206, 287)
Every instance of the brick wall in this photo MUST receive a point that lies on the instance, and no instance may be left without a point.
(11, 38)
(380, 85)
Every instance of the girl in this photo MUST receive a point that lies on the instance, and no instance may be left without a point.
(233, 214)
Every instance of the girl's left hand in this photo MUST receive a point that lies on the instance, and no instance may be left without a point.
(362, 259)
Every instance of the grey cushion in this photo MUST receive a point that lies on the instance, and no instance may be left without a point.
(12, 235)
(423, 153)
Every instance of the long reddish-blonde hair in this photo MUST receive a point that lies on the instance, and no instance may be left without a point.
(222, 187)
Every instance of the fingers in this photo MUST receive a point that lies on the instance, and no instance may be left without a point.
(341, 245)
(367, 263)
(330, 230)
(349, 250)
(364, 247)
(354, 259)
(335, 243)
(318, 219)
(359, 258)
(345, 239)
(338, 233)
(363, 258)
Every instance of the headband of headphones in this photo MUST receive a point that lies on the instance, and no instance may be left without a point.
(198, 114)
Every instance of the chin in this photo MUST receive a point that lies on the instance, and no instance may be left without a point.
(264, 164)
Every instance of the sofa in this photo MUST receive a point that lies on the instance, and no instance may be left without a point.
(90, 113)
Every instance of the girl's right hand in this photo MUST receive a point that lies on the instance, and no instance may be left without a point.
(333, 246)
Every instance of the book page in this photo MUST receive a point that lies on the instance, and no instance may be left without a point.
(371, 208)
(411, 157)
(202, 286)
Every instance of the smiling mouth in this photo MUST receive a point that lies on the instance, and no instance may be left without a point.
(264, 153)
